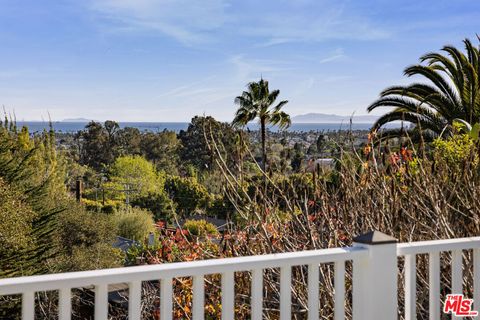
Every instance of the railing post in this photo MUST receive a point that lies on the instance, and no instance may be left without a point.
(375, 278)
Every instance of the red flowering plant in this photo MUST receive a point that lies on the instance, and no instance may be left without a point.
(177, 245)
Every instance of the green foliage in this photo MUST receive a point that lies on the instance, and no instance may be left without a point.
(85, 239)
(108, 206)
(162, 149)
(35, 203)
(30, 167)
(461, 126)
(130, 141)
(451, 92)
(475, 132)
(162, 207)
(99, 144)
(456, 150)
(257, 102)
(187, 193)
(201, 134)
(135, 173)
(134, 224)
(298, 157)
(16, 218)
(221, 207)
(200, 228)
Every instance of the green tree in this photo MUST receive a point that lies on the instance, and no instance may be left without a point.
(135, 173)
(257, 102)
(187, 193)
(298, 157)
(35, 202)
(162, 149)
(99, 144)
(159, 203)
(16, 218)
(198, 139)
(130, 141)
(452, 92)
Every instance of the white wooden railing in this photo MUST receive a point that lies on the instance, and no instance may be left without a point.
(433, 248)
(374, 294)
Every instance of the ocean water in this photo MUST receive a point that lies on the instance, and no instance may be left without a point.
(72, 127)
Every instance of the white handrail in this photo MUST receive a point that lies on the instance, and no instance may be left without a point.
(374, 280)
(433, 249)
(172, 270)
(421, 247)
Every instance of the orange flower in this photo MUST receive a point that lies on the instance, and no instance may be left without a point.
(367, 149)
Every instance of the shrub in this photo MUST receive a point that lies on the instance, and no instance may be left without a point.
(85, 239)
(200, 228)
(221, 207)
(109, 206)
(162, 207)
(456, 150)
(134, 224)
(188, 193)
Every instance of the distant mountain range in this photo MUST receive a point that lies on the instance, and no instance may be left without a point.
(331, 118)
(301, 118)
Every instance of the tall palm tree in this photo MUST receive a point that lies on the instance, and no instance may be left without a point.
(257, 102)
(452, 91)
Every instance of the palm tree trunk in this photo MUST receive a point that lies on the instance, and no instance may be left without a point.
(264, 145)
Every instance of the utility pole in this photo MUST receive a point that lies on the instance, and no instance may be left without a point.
(78, 190)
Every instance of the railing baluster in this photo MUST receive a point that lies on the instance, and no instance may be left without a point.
(357, 296)
(434, 282)
(101, 302)
(339, 310)
(285, 293)
(166, 305)
(64, 304)
(134, 300)
(257, 294)
(198, 308)
(228, 296)
(457, 272)
(410, 287)
(313, 287)
(28, 305)
(476, 279)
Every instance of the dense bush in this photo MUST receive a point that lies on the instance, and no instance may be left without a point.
(86, 239)
(200, 228)
(162, 207)
(187, 193)
(135, 223)
(16, 218)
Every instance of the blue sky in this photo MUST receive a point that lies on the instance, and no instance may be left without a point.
(168, 60)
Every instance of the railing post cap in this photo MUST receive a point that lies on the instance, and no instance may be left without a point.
(374, 237)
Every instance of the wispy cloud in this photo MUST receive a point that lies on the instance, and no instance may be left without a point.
(246, 68)
(313, 21)
(338, 54)
(188, 21)
(192, 21)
